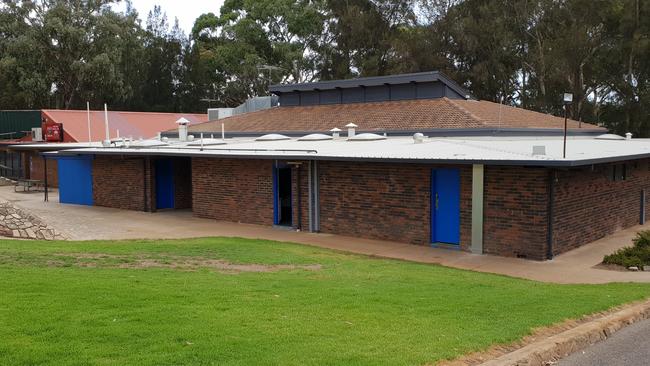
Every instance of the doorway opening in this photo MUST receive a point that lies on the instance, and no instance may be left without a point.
(173, 183)
(282, 206)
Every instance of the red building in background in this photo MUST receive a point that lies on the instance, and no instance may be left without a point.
(74, 127)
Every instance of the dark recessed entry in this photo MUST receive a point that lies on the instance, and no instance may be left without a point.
(282, 208)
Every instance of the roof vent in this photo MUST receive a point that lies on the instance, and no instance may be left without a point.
(315, 137)
(182, 128)
(351, 129)
(609, 136)
(336, 132)
(418, 137)
(273, 137)
(366, 137)
(628, 136)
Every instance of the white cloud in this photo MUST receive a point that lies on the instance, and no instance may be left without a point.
(185, 10)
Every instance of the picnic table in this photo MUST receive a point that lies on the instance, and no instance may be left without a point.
(29, 185)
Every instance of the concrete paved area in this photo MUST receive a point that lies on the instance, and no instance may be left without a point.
(629, 346)
(88, 223)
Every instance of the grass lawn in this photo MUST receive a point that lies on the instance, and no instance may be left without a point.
(186, 302)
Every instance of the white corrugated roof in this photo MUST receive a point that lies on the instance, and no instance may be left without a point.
(580, 150)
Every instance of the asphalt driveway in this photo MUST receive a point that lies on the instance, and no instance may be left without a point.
(628, 347)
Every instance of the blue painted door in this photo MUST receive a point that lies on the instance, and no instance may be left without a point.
(445, 206)
(164, 184)
(75, 180)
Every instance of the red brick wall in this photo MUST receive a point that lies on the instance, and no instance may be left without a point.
(589, 205)
(233, 190)
(384, 201)
(303, 172)
(36, 168)
(182, 183)
(515, 211)
(122, 183)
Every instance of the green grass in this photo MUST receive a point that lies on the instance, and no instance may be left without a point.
(56, 309)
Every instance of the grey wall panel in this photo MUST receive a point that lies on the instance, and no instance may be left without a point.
(451, 94)
(289, 99)
(430, 90)
(402, 91)
(353, 95)
(309, 98)
(330, 96)
(377, 93)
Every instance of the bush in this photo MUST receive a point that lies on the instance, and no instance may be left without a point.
(637, 255)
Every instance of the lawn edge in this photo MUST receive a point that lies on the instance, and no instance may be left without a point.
(553, 343)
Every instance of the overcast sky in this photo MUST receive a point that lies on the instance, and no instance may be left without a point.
(185, 10)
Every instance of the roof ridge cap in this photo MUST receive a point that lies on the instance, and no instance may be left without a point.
(463, 110)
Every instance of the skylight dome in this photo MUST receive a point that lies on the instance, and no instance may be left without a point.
(273, 137)
(367, 137)
(315, 137)
(609, 136)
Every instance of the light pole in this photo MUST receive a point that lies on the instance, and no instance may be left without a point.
(567, 100)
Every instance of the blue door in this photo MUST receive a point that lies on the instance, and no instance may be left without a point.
(164, 184)
(445, 206)
(75, 179)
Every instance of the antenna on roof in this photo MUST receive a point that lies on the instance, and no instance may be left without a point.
(108, 133)
(88, 115)
(500, 108)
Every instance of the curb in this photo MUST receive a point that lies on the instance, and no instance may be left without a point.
(553, 348)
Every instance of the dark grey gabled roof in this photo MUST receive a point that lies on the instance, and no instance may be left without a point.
(419, 77)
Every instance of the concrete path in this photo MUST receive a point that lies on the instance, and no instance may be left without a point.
(629, 346)
(88, 223)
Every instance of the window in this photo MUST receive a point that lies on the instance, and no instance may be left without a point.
(618, 172)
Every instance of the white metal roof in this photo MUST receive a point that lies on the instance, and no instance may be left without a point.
(486, 150)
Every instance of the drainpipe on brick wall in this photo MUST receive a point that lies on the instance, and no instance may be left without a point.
(46, 198)
(551, 198)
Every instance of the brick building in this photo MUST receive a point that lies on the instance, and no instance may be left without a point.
(488, 178)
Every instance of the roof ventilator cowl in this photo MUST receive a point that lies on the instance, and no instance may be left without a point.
(351, 129)
(336, 132)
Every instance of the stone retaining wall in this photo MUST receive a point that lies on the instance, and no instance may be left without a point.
(15, 223)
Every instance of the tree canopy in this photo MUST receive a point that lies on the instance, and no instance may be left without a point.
(62, 53)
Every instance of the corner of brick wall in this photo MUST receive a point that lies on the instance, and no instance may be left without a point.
(589, 205)
(234, 190)
(120, 182)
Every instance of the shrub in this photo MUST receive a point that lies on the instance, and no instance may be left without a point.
(637, 255)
